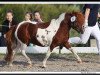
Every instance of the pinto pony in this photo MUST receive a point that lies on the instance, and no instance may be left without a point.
(52, 34)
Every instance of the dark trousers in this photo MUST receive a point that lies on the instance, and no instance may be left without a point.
(2, 41)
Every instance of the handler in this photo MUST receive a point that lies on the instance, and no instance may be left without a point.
(28, 16)
(91, 26)
(9, 22)
(37, 17)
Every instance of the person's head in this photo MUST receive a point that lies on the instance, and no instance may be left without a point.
(9, 15)
(37, 15)
(28, 16)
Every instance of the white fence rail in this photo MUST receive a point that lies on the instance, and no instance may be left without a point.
(38, 49)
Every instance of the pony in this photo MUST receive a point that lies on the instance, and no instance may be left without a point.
(52, 34)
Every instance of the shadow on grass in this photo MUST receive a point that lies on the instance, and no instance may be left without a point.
(86, 57)
(53, 57)
(2, 63)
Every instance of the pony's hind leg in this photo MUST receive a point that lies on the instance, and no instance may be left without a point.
(10, 62)
(14, 50)
(9, 55)
(23, 47)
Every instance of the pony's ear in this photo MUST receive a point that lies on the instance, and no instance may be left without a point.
(73, 18)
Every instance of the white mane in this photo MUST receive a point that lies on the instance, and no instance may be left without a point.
(55, 23)
(61, 17)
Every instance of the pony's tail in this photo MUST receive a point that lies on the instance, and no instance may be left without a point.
(10, 40)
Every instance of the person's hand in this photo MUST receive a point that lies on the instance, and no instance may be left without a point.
(98, 15)
(86, 24)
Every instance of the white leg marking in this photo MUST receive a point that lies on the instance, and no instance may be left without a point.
(47, 56)
(76, 56)
(23, 47)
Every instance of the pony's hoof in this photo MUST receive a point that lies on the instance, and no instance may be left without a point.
(44, 66)
(80, 62)
(98, 53)
(10, 65)
(29, 66)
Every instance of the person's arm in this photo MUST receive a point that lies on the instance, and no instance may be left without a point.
(87, 12)
(98, 15)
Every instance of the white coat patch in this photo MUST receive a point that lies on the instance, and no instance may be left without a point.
(46, 35)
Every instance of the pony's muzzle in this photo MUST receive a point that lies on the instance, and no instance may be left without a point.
(82, 31)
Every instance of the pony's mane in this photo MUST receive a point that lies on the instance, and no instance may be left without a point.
(61, 17)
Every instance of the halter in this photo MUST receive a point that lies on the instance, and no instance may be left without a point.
(73, 25)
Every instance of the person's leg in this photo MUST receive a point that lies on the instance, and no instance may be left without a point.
(3, 42)
(96, 34)
(83, 37)
(74, 40)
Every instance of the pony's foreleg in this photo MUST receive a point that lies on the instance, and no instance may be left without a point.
(23, 47)
(76, 56)
(67, 45)
(45, 59)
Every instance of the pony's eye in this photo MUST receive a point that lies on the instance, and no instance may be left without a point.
(83, 26)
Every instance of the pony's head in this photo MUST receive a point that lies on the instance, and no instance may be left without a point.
(76, 21)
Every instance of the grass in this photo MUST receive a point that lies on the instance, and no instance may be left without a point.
(1, 54)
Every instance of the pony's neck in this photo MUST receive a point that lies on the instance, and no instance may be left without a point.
(61, 17)
(53, 22)
(65, 26)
